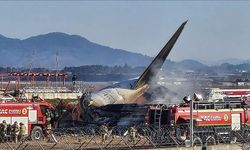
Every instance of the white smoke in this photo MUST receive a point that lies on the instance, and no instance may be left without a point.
(171, 87)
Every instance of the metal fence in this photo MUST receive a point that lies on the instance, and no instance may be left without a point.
(91, 137)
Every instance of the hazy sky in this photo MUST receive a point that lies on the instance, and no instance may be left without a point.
(216, 29)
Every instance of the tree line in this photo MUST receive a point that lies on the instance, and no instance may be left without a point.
(87, 72)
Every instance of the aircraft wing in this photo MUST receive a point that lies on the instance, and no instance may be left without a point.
(158, 61)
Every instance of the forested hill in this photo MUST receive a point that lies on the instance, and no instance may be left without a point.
(72, 50)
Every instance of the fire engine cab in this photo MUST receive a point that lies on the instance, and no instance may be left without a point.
(32, 113)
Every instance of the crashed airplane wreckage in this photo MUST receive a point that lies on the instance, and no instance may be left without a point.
(121, 99)
(129, 91)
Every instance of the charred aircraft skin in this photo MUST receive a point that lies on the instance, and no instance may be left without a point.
(128, 92)
(123, 114)
(116, 114)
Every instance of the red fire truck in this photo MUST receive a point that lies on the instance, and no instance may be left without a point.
(232, 114)
(30, 112)
(212, 119)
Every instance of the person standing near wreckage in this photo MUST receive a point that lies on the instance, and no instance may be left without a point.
(15, 131)
(22, 131)
(132, 133)
(3, 129)
(49, 117)
(104, 132)
(48, 121)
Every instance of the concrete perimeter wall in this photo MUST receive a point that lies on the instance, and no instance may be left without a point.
(55, 95)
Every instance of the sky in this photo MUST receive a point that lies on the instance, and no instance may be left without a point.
(216, 30)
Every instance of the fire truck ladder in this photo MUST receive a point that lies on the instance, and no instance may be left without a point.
(157, 117)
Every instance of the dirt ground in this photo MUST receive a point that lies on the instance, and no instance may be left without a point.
(84, 142)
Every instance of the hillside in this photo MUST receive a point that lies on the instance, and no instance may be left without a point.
(73, 50)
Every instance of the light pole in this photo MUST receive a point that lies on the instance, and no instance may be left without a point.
(191, 124)
(2, 83)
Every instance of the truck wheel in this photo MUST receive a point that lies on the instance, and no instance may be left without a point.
(36, 133)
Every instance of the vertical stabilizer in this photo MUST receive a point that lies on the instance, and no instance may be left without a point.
(158, 61)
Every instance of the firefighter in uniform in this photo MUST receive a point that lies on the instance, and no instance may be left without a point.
(9, 132)
(132, 134)
(50, 135)
(22, 131)
(15, 131)
(3, 130)
(104, 132)
(48, 121)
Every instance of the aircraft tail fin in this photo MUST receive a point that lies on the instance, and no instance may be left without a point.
(158, 61)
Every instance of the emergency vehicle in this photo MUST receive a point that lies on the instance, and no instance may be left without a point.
(212, 119)
(32, 113)
(204, 113)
